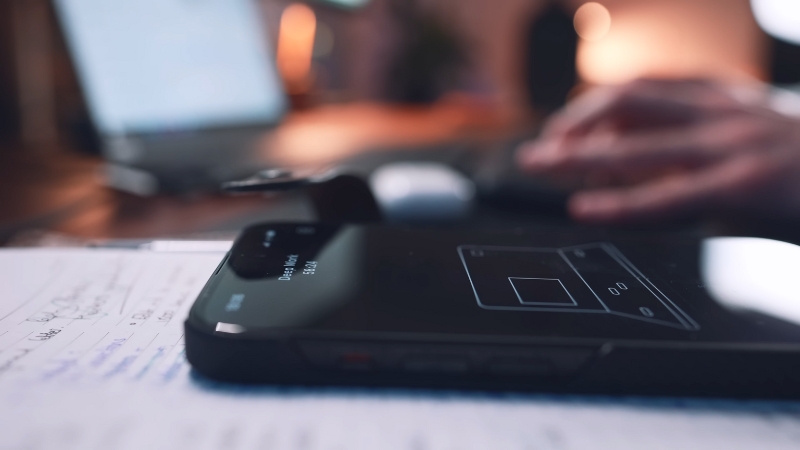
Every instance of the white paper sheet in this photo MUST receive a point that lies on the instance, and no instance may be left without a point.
(91, 357)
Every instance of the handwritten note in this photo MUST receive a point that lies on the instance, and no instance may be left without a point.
(96, 316)
(92, 357)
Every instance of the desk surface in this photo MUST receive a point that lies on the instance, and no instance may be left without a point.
(61, 191)
(55, 190)
(64, 193)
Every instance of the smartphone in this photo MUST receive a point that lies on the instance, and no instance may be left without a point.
(502, 309)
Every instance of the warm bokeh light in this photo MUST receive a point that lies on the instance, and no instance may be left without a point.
(674, 38)
(296, 46)
(592, 21)
(327, 134)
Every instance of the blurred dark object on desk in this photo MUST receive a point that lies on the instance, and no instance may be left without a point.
(501, 184)
(430, 58)
(785, 62)
(550, 60)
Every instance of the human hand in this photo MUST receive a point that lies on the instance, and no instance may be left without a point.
(656, 149)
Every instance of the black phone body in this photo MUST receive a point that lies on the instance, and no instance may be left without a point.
(508, 309)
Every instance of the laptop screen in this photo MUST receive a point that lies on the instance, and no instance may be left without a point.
(172, 65)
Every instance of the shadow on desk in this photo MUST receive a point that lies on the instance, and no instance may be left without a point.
(664, 404)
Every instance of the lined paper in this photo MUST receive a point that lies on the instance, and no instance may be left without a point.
(92, 356)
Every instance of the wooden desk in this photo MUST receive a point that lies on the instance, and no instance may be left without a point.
(64, 193)
(55, 190)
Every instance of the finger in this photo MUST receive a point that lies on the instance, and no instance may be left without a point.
(639, 103)
(618, 153)
(716, 187)
(635, 151)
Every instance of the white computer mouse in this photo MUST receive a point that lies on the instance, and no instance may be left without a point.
(421, 192)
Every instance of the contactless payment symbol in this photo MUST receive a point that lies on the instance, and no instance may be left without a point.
(592, 278)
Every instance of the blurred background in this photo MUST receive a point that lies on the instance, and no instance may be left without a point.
(119, 120)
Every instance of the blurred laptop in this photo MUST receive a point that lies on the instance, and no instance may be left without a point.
(179, 90)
